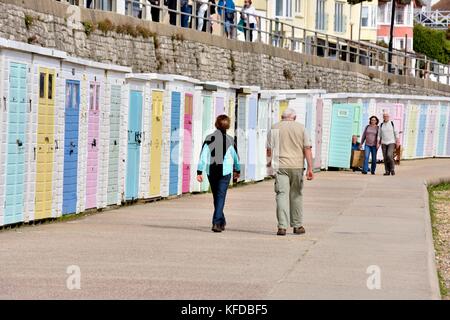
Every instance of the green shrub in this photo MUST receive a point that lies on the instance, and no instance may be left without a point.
(89, 27)
(432, 43)
(28, 21)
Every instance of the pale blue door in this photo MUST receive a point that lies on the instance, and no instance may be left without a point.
(174, 143)
(341, 135)
(114, 138)
(252, 122)
(134, 145)
(422, 129)
(241, 135)
(365, 118)
(442, 130)
(15, 157)
(71, 116)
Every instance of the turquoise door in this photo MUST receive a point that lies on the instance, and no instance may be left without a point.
(15, 157)
(114, 138)
(341, 135)
(422, 129)
(357, 114)
(252, 120)
(134, 145)
(71, 147)
(442, 130)
(174, 143)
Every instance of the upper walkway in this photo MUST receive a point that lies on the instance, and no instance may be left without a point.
(166, 249)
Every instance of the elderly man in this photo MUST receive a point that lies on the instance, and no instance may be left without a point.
(288, 145)
(389, 141)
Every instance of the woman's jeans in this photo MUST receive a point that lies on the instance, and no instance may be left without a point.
(248, 31)
(368, 150)
(219, 186)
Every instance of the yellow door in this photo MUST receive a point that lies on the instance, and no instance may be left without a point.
(283, 106)
(45, 144)
(156, 143)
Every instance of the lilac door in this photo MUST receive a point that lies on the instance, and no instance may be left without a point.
(430, 128)
(318, 142)
(220, 106)
(92, 145)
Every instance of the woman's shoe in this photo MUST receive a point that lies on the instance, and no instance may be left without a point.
(216, 228)
(364, 172)
(222, 227)
(372, 173)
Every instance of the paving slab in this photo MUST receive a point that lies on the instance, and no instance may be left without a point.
(166, 250)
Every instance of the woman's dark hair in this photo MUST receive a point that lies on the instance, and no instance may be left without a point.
(374, 117)
(223, 122)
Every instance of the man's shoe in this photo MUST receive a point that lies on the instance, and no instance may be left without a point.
(392, 173)
(372, 173)
(216, 228)
(281, 232)
(386, 174)
(299, 230)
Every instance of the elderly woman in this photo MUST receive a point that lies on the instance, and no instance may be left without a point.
(370, 137)
(219, 159)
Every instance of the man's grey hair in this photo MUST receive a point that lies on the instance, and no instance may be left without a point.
(289, 113)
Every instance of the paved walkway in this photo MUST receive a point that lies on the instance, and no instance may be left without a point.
(166, 249)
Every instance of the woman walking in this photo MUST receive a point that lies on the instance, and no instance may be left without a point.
(370, 137)
(219, 160)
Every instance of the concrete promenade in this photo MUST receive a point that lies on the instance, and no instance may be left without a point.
(165, 250)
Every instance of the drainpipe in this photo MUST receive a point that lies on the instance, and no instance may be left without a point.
(391, 37)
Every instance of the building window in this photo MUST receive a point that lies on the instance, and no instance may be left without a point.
(400, 15)
(365, 17)
(384, 13)
(373, 18)
(283, 8)
(321, 16)
(298, 6)
(339, 17)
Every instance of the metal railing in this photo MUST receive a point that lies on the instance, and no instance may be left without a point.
(433, 19)
(237, 24)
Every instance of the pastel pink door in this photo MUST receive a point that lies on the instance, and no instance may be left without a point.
(220, 106)
(187, 143)
(318, 142)
(430, 130)
(93, 143)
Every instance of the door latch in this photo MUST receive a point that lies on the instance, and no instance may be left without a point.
(94, 142)
(19, 143)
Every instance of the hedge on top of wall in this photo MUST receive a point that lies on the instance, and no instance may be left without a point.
(432, 43)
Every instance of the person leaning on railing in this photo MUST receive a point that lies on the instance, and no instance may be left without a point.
(228, 16)
(154, 10)
(248, 15)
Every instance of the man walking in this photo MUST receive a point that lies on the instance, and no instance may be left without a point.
(389, 141)
(288, 145)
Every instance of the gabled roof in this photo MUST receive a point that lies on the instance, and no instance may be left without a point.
(443, 5)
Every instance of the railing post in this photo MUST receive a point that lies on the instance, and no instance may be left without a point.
(259, 29)
(222, 22)
(270, 33)
(178, 14)
(304, 41)
(358, 54)
(315, 44)
(292, 38)
(348, 51)
(281, 35)
(208, 18)
(338, 50)
(194, 15)
(326, 51)
(160, 11)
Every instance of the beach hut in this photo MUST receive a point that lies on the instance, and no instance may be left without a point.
(16, 132)
(442, 131)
